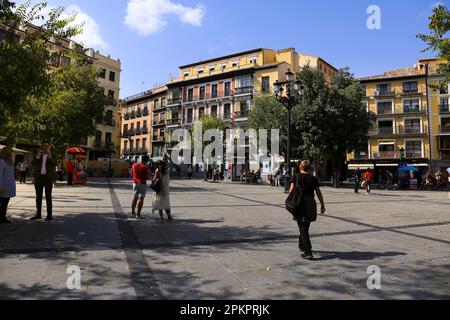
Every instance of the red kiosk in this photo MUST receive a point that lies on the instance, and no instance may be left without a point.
(79, 175)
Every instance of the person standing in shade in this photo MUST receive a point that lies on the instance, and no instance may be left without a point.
(189, 172)
(308, 210)
(23, 172)
(368, 177)
(69, 169)
(357, 180)
(7, 182)
(140, 175)
(161, 200)
(44, 173)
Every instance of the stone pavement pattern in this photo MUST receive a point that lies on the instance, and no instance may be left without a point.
(229, 241)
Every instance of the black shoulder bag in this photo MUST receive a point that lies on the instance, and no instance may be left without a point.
(157, 184)
(294, 200)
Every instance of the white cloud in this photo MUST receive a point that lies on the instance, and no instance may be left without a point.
(150, 16)
(91, 36)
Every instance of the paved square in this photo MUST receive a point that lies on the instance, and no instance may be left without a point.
(229, 241)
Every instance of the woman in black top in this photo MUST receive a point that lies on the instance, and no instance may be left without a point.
(308, 212)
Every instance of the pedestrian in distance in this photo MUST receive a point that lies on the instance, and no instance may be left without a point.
(161, 200)
(307, 212)
(368, 177)
(140, 175)
(189, 172)
(23, 168)
(7, 182)
(70, 171)
(44, 166)
(357, 180)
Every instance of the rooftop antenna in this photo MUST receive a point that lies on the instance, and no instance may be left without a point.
(142, 86)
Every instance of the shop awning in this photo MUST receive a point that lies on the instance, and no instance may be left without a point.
(15, 149)
(363, 166)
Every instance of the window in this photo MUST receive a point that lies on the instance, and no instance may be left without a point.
(145, 124)
(156, 104)
(112, 76)
(443, 89)
(163, 102)
(125, 145)
(55, 60)
(102, 73)
(65, 61)
(413, 149)
(201, 112)
(214, 113)
(444, 102)
(410, 87)
(227, 89)
(190, 95)
(445, 125)
(200, 70)
(384, 107)
(227, 111)
(138, 144)
(202, 93)
(412, 126)
(2, 35)
(108, 139)
(144, 145)
(364, 89)
(212, 68)
(386, 147)
(109, 117)
(253, 59)
(98, 138)
(111, 93)
(138, 125)
(386, 126)
(223, 65)
(186, 73)
(190, 115)
(265, 84)
(214, 91)
(246, 82)
(384, 88)
(235, 63)
(125, 130)
(411, 106)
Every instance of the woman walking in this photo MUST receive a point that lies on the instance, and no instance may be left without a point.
(7, 182)
(308, 211)
(161, 200)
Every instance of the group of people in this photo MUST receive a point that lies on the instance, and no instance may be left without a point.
(43, 168)
(251, 176)
(363, 180)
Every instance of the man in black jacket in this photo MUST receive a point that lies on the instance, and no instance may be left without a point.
(44, 166)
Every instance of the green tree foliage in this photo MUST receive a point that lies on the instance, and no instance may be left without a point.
(69, 111)
(437, 40)
(25, 56)
(329, 119)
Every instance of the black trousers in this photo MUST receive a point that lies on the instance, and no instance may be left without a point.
(69, 178)
(23, 177)
(41, 183)
(304, 240)
(3, 207)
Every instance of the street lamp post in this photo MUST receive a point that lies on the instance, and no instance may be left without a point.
(402, 154)
(292, 97)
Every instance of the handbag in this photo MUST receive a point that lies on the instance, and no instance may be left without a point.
(364, 184)
(156, 185)
(294, 200)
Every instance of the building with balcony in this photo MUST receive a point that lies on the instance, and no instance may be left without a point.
(225, 87)
(143, 116)
(410, 120)
(106, 142)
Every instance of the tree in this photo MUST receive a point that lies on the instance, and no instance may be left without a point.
(68, 112)
(437, 40)
(25, 56)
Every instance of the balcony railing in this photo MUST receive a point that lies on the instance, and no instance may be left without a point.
(444, 129)
(383, 130)
(138, 113)
(137, 131)
(386, 155)
(131, 132)
(384, 110)
(415, 154)
(412, 130)
(126, 116)
(410, 91)
(204, 97)
(444, 108)
(242, 114)
(416, 109)
(174, 101)
(384, 93)
(144, 130)
(192, 98)
(243, 90)
(133, 115)
(173, 122)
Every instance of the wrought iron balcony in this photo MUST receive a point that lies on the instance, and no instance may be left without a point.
(138, 113)
(243, 90)
(173, 122)
(382, 131)
(174, 101)
(144, 130)
(444, 108)
(137, 131)
(126, 116)
(242, 114)
(410, 91)
(412, 130)
(384, 93)
(416, 109)
(131, 132)
(133, 115)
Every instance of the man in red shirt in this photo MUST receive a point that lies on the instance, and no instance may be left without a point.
(140, 175)
(368, 177)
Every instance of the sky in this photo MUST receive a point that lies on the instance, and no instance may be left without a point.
(152, 38)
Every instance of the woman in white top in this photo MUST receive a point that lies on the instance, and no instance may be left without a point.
(7, 182)
(161, 201)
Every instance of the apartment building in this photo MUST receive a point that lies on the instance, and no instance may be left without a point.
(143, 125)
(412, 120)
(225, 87)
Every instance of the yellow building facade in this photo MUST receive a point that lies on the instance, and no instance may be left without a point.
(412, 122)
